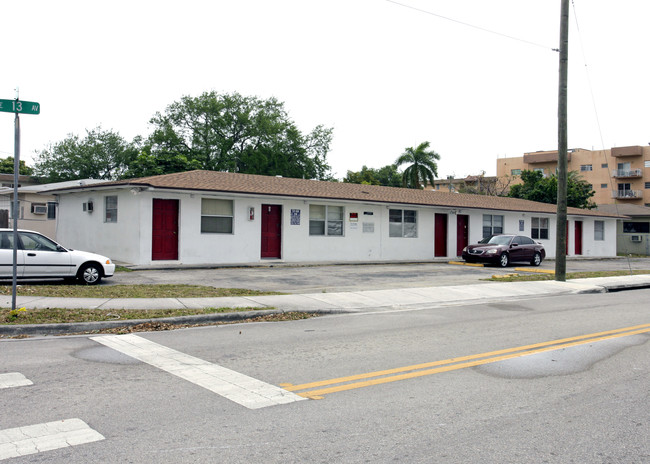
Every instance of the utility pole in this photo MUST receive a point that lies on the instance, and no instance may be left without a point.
(561, 232)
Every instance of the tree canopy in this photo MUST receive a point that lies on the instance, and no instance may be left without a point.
(536, 187)
(7, 167)
(101, 154)
(387, 176)
(422, 169)
(235, 133)
(220, 132)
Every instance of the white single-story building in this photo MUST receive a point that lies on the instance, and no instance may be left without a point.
(208, 217)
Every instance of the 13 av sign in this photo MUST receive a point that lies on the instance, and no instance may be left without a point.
(19, 106)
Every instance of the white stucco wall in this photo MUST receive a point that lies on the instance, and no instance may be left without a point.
(88, 231)
(129, 239)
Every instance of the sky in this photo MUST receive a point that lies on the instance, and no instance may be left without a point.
(477, 79)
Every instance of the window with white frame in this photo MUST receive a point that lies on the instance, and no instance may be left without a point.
(586, 167)
(515, 172)
(492, 224)
(402, 223)
(325, 220)
(110, 208)
(216, 216)
(539, 228)
(599, 230)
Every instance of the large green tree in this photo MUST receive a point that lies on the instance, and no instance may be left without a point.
(231, 132)
(422, 168)
(7, 167)
(101, 154)
(387, 176)
(536, 187)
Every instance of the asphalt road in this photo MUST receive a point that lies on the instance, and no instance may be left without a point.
(576, 404)
(341, 278)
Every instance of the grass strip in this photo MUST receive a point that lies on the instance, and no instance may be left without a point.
(61, 315)
(130, 291)
(569, 275)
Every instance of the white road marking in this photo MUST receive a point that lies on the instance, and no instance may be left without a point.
(14, 379)
(33, 439)
(241, 389)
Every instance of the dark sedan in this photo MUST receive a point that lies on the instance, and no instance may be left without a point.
(504, 249)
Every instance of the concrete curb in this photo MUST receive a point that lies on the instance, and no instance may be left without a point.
(78, 327)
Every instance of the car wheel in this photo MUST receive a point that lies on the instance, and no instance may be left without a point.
(504, 260)
(537, 259)
(90, 274)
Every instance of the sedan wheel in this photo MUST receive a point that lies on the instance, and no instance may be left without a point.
(537, 259)
(504, 260)
(90, 274)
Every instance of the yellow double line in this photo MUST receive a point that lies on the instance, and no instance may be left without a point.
(313, 391)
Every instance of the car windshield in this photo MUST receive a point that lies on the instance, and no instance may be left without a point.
(497, 240)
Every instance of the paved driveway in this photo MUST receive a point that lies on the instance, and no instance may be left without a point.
(341, 278)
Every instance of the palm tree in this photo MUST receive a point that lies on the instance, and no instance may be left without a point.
(422, 167)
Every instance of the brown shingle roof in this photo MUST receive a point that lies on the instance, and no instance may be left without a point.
(214, 181)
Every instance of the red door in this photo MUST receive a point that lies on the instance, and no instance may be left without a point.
(271, 231)
(164, 239)
(462, 233)
(578, 239)
(440, 246)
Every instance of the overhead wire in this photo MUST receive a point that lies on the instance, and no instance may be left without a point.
(474, 26)
(595, 107)
(588, 77)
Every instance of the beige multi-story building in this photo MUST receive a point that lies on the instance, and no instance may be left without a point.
(617, 175)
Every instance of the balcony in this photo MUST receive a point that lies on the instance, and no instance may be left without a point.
(636, 150)
(627, 194)
(543, 157)
(627, 173)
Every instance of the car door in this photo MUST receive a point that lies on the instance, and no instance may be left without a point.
(517, 250)
(7, 256)
(530, 245)
(43, 257)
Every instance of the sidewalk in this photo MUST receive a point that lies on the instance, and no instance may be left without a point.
(359, 301)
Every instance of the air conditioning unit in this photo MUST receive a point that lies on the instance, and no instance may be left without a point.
(39, 209)
(636, 238)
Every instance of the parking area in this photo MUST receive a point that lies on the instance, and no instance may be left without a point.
(351, 277)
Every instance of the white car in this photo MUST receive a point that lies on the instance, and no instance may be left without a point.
(39, 257)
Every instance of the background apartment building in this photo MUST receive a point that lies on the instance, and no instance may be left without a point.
(617, 175)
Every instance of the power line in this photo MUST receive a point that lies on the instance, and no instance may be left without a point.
(474, 27)
(600, 131)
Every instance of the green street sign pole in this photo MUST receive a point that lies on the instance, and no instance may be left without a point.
(17, 106)
(16, 211)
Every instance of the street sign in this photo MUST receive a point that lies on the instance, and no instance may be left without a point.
(19, 106)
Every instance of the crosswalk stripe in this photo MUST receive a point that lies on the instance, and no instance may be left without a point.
(14, 379)
(239, 388)
(32, 439)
